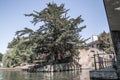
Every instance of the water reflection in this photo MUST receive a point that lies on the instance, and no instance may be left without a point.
(67, 75)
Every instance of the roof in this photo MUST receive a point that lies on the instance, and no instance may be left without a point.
(113, 13)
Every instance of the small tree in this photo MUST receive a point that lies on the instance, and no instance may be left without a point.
(105, 42)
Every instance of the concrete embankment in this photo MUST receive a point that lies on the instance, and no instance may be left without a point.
(54, 67)
(47, 68)
(108, 73)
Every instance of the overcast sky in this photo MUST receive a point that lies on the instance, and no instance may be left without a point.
(12, 16)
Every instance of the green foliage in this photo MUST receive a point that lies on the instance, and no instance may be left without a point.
(18, 53)
(57, 38)
(1, 55)
(10, 59)
(105, 42)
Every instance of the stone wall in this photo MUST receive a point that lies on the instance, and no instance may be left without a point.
(59, 67)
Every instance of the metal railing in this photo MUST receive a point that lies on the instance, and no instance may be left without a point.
(102, 62)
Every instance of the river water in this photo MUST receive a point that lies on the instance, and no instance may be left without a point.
(67, 75)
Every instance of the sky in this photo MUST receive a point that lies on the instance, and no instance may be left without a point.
(12, 16)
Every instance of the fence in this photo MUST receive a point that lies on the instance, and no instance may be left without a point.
(101, 61)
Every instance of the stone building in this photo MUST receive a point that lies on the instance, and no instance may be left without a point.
(93, 59)
(112, 8)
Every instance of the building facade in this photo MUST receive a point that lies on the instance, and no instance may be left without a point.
(112, 8)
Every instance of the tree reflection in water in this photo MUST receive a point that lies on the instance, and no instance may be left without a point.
(67, 75)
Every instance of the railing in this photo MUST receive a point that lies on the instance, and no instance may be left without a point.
(101, 62)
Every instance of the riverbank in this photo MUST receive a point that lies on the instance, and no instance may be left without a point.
(47, 68)
(54, 67)
(18, 68)
(11, 69)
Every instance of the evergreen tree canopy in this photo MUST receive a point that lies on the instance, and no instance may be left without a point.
(58, 36)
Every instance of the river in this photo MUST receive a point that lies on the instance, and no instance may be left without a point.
(67, 75)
